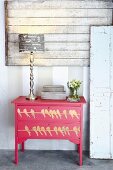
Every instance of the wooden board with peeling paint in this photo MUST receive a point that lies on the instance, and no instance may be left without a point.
(64, 24)
(101, 93)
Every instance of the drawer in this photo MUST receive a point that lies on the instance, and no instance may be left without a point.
(48, 113)
(43, 130)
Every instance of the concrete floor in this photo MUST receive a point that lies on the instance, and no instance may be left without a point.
(51, 160)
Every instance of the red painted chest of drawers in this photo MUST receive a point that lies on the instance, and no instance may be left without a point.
(48, 119)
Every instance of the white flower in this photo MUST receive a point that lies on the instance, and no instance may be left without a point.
(74, 84)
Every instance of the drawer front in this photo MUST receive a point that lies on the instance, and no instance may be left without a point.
(42, 130)
(48, 113)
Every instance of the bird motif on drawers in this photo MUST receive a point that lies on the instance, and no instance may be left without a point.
(41, 130)
(51, 113)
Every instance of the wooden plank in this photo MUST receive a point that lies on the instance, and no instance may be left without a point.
(66, 46)
(48, 29)
(100, 93)
(100, 41)
(111, 58)
(65, 25)
(6, 32)
(50, 62)
(59, 13)
(58, 21)
(56, 37)
(57, 46)
(111, 87)
(14, 52)
(111, 125)
(59, 4)
(99, 142)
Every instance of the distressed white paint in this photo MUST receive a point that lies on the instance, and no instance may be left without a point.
(14, 81)
(48, 29)
(53, 54)
(51, 62)
(65, 25)
(111, 95)
(57, 37)
(66, 46)
(58, 21)
(68, 4)
(57, 13)
(101, 96)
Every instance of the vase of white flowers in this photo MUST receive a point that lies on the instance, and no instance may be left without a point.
(74, 85)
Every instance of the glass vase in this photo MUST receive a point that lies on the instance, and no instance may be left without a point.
(73, 95)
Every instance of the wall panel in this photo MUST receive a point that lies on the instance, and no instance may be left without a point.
(101, 94)
(65, 25)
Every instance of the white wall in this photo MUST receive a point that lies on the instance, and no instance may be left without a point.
(14, 81)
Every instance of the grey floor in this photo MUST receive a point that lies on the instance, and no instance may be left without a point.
(51, 160)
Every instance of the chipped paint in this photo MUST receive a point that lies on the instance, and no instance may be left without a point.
(101, 87)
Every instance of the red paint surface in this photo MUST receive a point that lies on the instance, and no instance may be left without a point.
(48, 119)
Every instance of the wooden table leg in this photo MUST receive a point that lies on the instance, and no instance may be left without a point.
(80, 154)
(78, 148)
(22, 147)
(81, 131)
(16, 151)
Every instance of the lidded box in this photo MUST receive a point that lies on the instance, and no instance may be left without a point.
(53, 92)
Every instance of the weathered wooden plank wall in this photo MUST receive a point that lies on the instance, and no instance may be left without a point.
(65, 25)
(101, 93)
